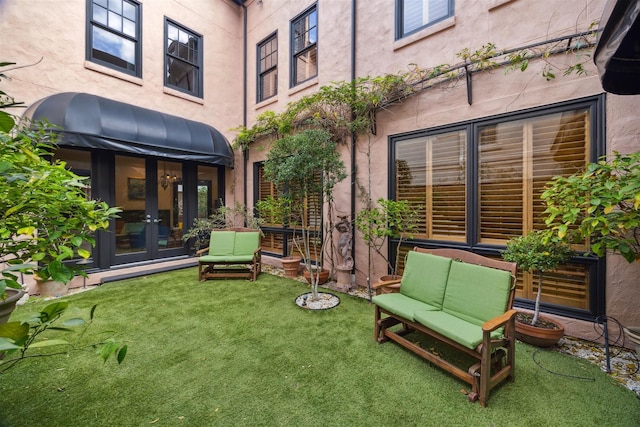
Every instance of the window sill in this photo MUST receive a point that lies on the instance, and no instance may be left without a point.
(494, 4)
(303, 86)
(179, 94)
(266, 102)
(113, 73)
(429, 31)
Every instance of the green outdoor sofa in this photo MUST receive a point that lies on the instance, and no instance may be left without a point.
(231, 253)
(461, 299)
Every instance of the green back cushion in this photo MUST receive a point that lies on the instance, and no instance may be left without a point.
(246, 242)
(476, 293)
(425, 277)
(222, 242)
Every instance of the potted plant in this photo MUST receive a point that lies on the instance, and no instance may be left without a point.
(390, 218)
(223, 217)
(601, 206)
(46, 217)
(538, 252)
(307, 167)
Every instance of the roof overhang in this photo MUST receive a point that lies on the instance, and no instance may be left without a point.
(617, 53)
(94, 122)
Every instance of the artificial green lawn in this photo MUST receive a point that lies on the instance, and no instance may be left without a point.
(235, 353)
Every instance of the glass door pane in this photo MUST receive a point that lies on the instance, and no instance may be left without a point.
(130, 189)
(207, 190)
(170, 205)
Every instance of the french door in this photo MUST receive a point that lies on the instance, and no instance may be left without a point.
(150, 193)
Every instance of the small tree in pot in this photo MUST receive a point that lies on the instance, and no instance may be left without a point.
(538, 252)
(307, 167)
(46, 217)
(390, 218)
(600, 205)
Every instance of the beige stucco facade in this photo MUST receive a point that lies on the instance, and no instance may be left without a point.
(57, 35)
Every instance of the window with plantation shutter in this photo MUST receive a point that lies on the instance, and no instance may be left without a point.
(515, 161)
(267, 189)
(431, 176)
(307, 211)
(498, 196)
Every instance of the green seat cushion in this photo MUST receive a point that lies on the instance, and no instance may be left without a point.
(425, 277)
(222, 242)
(226, 258)
(246, 242)
(401, 305)
(459, 330)
(476, 293)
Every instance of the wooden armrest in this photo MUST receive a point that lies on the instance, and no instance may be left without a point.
(202, 251)
(257, 251)
(384, 283)
(499, 321)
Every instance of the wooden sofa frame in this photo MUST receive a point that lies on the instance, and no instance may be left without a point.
(249, 267)
(496, 356)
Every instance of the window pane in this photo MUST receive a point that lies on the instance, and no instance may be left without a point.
(102, 3)
(305, 31)
(306, 66)
(268, 84)
(129, 11)
(115, 21)
(182, 74)
(183, 59)
(100, 14)
(516, 160)
(501, 182)
(431, 176)
(114, 49)
(129, 27)
(419, 13)
(267, 68)
(116, 6)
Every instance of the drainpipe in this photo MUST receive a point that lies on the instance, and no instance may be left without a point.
(353, 134)
(245, 152)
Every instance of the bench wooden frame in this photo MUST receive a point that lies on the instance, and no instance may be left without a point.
(249, 267)
(496, 356)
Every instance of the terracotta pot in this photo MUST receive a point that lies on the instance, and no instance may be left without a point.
(51, 288)
(324, 276)
(539, 336)
(9, 304)
(291, 266)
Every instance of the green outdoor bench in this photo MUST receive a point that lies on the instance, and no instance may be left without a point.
(231, 253)
(461, 299)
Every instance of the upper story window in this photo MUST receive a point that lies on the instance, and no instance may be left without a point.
(183, 61)
(114, 34)
(268, 68)
(304, 46)
(413, 15)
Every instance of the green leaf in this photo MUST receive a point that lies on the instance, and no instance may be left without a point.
(85, 254)
(49, 343)
(53, 310)
(122, 353)
(76, 321)
(7, 345)
(14, 330)
(6, 122)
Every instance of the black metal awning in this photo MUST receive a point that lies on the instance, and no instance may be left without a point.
(617, 53)
(90, 121)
